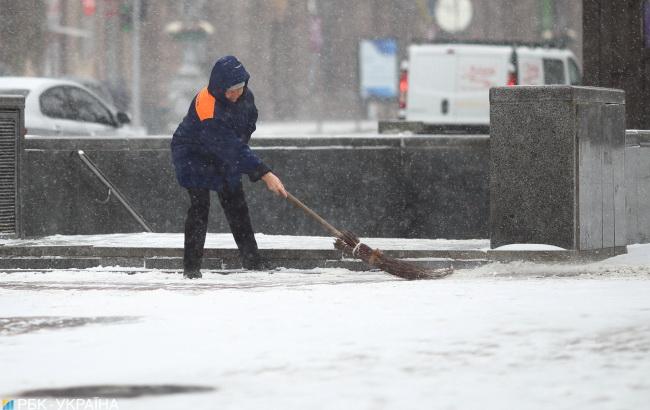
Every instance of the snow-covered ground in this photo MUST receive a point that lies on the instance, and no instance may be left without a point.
(502, 336)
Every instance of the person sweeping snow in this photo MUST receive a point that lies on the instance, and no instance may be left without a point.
(210, 153)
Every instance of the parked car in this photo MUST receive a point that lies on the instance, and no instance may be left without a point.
(65, 108)
(448, 84)
(97, 87)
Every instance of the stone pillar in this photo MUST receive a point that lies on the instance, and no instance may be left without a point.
(557, 168)
(12, 129)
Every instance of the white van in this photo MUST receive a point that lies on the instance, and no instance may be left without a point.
(448, 84)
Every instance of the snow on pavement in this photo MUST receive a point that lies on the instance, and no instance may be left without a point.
(500, 336)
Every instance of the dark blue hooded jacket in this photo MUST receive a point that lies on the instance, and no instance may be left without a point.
(210, 146)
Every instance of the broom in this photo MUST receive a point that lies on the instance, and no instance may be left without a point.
(350, 244)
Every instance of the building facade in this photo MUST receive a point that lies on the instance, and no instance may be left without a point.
(617, 53)
(302, 54)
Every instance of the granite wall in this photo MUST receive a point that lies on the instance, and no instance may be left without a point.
(420, 186)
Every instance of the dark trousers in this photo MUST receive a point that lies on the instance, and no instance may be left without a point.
(235, 208)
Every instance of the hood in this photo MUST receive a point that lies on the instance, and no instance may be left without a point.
(227, 71)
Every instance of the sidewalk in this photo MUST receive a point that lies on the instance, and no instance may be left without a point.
(518, 335)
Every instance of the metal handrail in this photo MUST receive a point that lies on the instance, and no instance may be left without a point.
(91, 165)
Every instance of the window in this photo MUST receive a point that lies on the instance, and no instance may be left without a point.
(55, 103)
(554, 71)
(89, 108)
(575, 78)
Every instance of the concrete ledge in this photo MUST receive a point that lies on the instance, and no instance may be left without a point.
(124, 250)
(221, 253)
(40, 263)
(83, 257)
(36, 250)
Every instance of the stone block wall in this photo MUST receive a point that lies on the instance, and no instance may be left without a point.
(376, 186)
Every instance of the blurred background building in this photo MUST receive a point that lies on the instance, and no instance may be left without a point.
(302, 54)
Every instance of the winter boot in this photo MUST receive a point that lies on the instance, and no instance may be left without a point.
(192, 274)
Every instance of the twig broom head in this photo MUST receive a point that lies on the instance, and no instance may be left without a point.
(376, 258)
(349, 243)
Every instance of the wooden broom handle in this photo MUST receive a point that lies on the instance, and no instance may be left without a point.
(332, 230)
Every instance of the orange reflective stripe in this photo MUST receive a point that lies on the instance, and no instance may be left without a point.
(204, 105)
